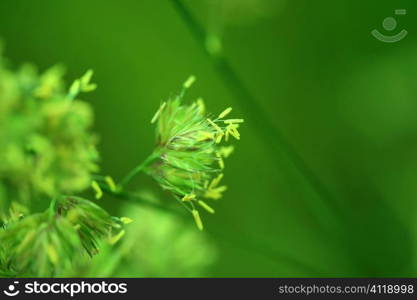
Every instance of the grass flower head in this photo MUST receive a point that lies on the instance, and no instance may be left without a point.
(191, 152)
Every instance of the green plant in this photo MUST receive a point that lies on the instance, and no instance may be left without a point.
(49, 159)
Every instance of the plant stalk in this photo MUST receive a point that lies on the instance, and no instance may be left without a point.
(138, 169)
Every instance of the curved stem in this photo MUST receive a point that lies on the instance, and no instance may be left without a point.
(138, 200)
(125, 181)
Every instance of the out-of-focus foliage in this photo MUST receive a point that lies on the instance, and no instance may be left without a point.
(156, 244)
(48, 154)
(47, 146)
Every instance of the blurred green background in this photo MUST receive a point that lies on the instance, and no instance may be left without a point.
(324, 180)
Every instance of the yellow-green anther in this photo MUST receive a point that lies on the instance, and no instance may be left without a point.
(201, 105)
(226, 151)
(219, 137)
(85, 79)
(220, 160)
(197, 219)
(188, 197)
(114, 239)
(82, 85)
(216, 181)
(206, 207)
(89, 88)
(232, 129)
(215, 193)
(158, 112)
(126, 220)
(75, 88)
(233, 121)
(110, 183)
(225, 112)
(97, 189)
(189, 82)
(215, 126)
(221, 163)
(205, 135)
(85, 84)
(236, 132)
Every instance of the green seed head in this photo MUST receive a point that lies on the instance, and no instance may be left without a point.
(190, 151)
(91, 222)
(39, 246)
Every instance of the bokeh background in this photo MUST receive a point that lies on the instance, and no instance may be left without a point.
(324, 180)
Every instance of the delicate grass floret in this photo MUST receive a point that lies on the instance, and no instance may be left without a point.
(189, 153)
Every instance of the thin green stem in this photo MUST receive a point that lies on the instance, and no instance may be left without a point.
(141, 167)
(138, 200)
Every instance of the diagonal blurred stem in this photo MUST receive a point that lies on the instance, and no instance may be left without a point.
(269, 134)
